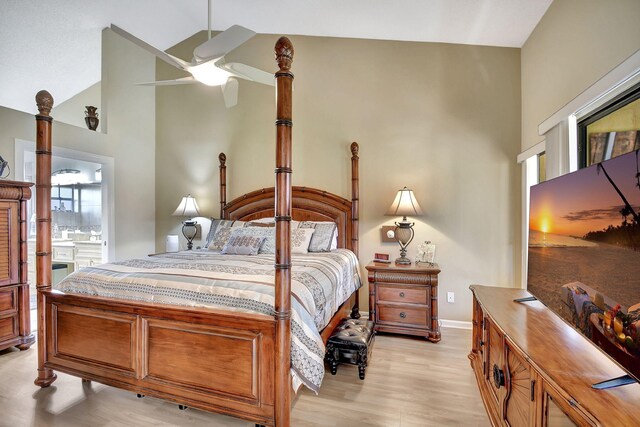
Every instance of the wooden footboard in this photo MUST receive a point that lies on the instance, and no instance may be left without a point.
(209, 359)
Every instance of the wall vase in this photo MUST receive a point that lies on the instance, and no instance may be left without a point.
(91, 117)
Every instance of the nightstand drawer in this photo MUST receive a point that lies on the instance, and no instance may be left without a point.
(402, 294)
(388, 314)
(8, 300)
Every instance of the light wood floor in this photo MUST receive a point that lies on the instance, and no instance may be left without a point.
(409, 382)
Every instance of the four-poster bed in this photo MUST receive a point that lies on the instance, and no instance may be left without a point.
(229, 362)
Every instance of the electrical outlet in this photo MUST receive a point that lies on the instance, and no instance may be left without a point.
(451, 297)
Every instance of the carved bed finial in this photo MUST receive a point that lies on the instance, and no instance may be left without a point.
(284, 53)
(44, 101)
(222, 158)
(354, 149)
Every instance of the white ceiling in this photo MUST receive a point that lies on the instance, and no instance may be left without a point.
(56, 44)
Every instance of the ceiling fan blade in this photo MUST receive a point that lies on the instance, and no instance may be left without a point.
(182, 81)
(230, 92)
(223, 43)
(170, 59)
(248, 72)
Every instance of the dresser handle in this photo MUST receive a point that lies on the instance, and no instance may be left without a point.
(401, 294)
(498, 376)
(402, 314)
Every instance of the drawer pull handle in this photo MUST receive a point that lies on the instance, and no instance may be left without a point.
(401, 294)
(498, 376)
(402, 314)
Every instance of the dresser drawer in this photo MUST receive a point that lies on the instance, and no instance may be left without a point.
(8, 328)
(63, 253)
(8, 300)
(403, 315)
(402, 294)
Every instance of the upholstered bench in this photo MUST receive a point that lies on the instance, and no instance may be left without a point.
(351, 342)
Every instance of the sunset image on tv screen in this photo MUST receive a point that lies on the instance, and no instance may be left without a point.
(584, 251)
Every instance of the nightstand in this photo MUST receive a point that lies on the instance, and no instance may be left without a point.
(403, 299)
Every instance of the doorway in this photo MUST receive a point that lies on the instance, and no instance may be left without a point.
(81, 209)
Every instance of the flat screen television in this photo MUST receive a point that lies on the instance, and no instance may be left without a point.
(584, 253)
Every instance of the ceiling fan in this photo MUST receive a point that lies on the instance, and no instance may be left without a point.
(208, 65)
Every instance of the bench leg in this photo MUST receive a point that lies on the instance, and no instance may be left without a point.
(362, 362)
(332, 357)
(334, 367)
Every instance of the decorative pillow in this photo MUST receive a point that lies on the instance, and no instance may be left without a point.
(242, 243)
(300, 239)
(218, 236)
(215, 224)
(269, 235)
(322, 239)
(220, 239)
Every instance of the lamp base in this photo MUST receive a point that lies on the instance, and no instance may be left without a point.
(403, 260)
(404, 235)
(189, 232)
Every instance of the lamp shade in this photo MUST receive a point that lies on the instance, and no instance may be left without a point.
(405, 204)
(187, 207)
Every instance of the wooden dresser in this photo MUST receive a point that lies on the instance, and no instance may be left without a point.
(533, 369)
(15, 327)
(403, 299)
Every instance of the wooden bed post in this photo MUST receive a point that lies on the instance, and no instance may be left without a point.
(355, 200)
(284, 82)
(44, 101)
(223, 183)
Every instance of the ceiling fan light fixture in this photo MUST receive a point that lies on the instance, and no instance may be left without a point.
(207, 73)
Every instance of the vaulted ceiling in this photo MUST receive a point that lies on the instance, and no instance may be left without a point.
(56, 44)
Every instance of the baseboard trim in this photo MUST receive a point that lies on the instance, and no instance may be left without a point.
(457, 324)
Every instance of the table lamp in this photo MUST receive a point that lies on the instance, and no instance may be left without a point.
(188, 208)
(404, 204)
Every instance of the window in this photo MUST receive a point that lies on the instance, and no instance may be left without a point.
(611, 130)
(63, 198)
(542, 167)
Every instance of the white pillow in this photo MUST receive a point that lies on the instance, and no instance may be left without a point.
(267, 220)
(272, 220)
(300, 239)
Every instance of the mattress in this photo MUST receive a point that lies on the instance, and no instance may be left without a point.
(320, 283)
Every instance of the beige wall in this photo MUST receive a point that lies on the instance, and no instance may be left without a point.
(130, 141)
(575, 44)
(441, 119)
(72, 111)
(19, 125)
(128, 118)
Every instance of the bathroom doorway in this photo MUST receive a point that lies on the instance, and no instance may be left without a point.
(81, 209)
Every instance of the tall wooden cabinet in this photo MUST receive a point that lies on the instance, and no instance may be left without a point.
(15, 327)
(533, 369)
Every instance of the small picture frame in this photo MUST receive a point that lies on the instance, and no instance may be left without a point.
(426, 253)
(379, 257)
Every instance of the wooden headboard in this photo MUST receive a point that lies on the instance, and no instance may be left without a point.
(307, 204)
